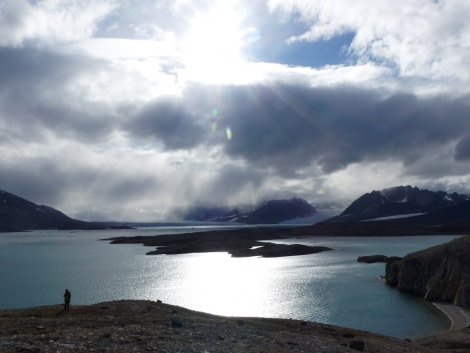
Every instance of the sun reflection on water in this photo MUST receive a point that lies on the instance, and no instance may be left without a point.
(220, 284)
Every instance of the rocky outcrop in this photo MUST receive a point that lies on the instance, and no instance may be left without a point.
(440, 273)
(372, 259)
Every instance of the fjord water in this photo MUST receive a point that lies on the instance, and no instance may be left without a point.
(329, 287)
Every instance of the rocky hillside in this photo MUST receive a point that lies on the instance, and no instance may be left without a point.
(440, 273)
(277, 211)
(398, 201)
(17, 214)
(144, 326)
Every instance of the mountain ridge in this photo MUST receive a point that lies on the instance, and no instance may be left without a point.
(401, 210)
(18, 214)
(269, 212)
(398, 201)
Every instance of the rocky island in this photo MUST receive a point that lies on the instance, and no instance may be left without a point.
(238, 243)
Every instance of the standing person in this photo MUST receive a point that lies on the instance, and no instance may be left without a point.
(67, 297)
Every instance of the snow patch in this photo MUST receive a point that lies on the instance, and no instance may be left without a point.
(317, 217)
(393, 217)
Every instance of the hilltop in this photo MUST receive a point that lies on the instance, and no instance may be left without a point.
(139, 326)
(18, 214)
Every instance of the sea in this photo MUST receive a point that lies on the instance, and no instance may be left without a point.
(329, 287)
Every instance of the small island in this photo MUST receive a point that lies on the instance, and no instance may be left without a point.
(238, 243)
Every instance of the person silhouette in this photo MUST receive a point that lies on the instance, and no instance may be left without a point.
(67, 298)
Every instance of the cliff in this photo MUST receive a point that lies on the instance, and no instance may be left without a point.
(440, 273)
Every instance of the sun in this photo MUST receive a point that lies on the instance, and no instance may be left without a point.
(212, 48)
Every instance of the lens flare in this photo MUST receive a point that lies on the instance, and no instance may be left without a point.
(228, 131)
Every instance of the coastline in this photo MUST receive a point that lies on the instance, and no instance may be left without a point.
(458, 317)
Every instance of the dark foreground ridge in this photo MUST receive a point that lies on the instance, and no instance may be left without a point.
(144, 326)
(238, 243)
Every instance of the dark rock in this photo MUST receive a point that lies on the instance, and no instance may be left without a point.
(372, 259)
(378, 258)
(440, 273)
(176, 322)
(239, 243)
(357, 345)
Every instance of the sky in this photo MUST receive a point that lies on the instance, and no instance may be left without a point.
(137, 109)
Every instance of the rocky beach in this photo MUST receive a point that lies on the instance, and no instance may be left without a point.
(145, 326)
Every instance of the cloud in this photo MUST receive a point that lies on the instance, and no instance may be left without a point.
(104, 117)
(42, 91)
(462, 149)
(287, 127)
(418, 40)
(167, 121)
(49, 21)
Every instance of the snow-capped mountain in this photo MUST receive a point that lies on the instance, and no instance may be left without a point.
(395, 202)
(270, 212)
(277, 211)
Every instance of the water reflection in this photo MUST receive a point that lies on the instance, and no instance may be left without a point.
(329, 287)
(220, 284)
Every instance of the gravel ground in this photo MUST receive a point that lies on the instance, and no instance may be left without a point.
(144, 326)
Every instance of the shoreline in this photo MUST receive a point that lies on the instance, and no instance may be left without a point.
(459, 318)
(140, 325)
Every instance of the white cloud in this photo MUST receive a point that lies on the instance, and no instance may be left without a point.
(423, 39)
(49, 21)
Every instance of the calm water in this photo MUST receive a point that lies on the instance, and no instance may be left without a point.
(330, 287)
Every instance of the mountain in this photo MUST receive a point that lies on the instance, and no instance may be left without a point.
(212, 214)
(17, 214)
(400, 201)
(271, 212)
(277, 211)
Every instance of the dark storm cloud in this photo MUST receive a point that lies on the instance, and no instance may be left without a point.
(43, 179)
(168, 121)
(462, 150)
(38, 179)
(36, 91)
(286, 127)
